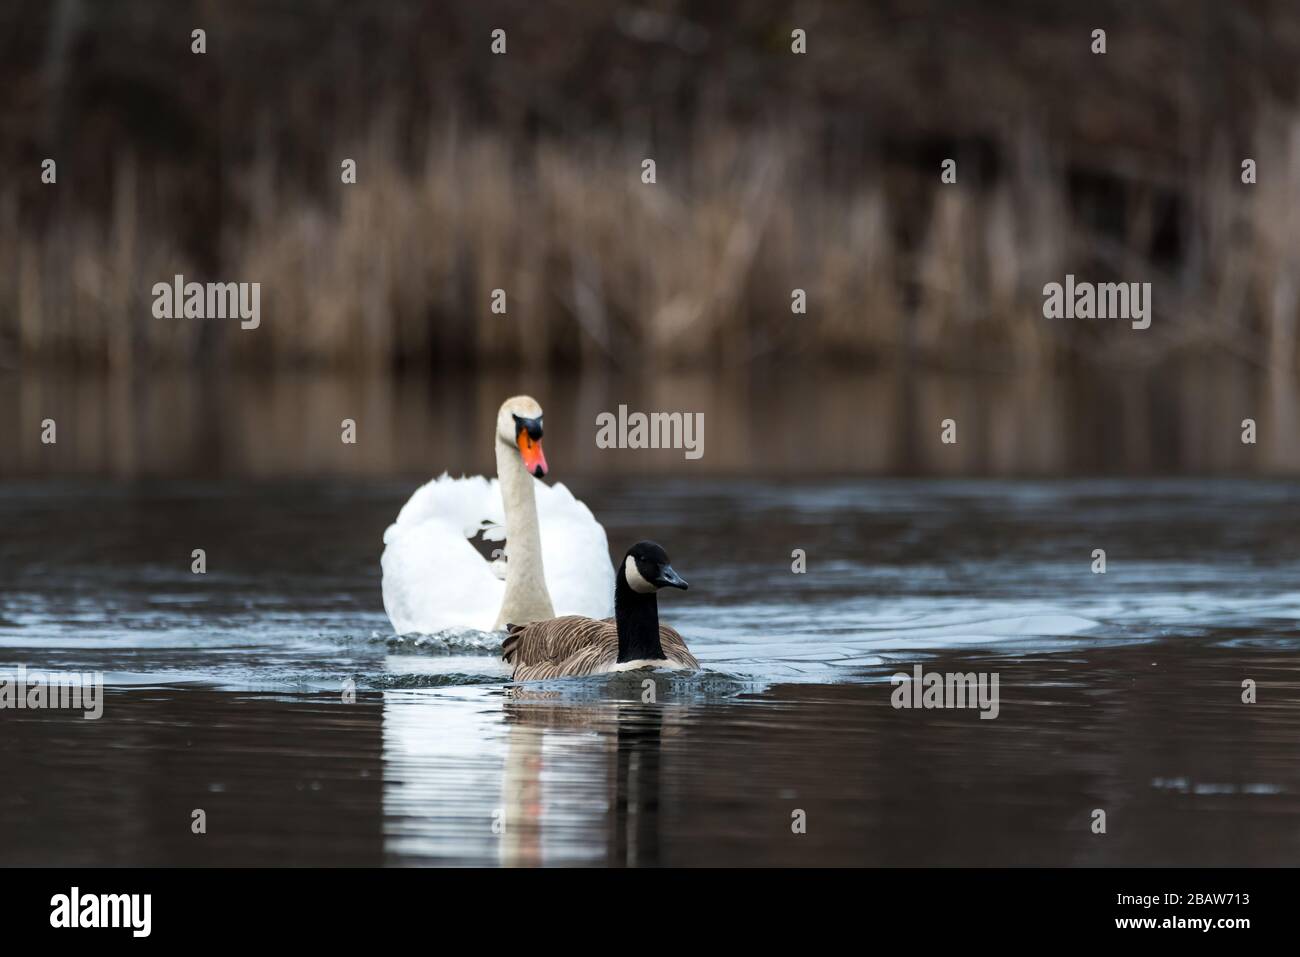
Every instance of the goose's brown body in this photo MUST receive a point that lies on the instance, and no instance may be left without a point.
(573, 645)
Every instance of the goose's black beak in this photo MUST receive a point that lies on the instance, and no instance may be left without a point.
(669, 578)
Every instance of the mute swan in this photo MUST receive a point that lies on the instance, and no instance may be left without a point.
(557, 556)
(584, 646)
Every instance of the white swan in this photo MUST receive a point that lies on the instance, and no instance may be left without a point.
(557, 556)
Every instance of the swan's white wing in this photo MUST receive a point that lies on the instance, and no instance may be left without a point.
(433, 578)
(579, 574)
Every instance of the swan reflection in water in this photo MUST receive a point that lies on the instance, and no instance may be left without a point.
(624, 747)
(532, 775)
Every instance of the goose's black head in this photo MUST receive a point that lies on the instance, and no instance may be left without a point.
(646, 569)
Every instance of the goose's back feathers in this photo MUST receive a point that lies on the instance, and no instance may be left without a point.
(574, 645)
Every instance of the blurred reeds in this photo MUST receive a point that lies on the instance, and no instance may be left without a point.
(522, 173)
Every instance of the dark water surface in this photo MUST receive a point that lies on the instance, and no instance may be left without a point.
(1119, 692)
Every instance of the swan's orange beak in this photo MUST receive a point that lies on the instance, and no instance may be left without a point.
(531, 450)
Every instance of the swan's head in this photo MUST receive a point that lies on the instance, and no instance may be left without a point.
(646, 569)
(519, 423)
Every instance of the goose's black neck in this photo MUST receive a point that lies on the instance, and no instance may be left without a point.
(637, 617)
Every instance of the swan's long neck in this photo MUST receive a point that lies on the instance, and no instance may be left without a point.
(637, 617)
(526, 597)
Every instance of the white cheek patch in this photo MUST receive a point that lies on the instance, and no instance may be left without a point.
(634, 579)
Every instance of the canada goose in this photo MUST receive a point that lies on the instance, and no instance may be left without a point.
(574, 645)
(557, 556)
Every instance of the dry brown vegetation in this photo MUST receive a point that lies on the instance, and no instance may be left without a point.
(518, 176)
